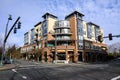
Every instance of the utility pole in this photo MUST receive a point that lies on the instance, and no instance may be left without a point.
(7, 35)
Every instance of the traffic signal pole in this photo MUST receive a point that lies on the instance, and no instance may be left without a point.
(6, 37)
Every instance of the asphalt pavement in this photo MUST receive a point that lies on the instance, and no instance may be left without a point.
(28, 70)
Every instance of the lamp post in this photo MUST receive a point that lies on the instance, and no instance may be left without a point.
(7, 35)
(55, 47)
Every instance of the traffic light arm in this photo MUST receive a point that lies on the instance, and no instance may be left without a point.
(112, 36)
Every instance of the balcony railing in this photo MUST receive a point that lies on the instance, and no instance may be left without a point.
(62, 34)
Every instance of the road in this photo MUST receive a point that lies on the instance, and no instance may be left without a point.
(40, 71)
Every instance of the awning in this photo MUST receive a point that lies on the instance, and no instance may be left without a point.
(60, 50)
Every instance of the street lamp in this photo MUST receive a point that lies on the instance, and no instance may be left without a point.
(7, 33)
(10, 17)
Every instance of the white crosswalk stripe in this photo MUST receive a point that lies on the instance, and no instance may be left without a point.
(116, 78)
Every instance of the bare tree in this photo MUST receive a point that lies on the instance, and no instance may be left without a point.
(114, 47)
(10, 51)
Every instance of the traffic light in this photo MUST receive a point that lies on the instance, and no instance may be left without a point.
(19, 25)
(100, 39)
(15, 30)
(110, 36)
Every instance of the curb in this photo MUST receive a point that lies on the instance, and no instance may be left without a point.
(2, 68)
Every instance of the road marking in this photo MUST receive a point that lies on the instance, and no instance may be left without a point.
(115, 78)
(14, 70)
(24, 77)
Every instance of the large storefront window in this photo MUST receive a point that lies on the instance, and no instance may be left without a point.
(61, 56)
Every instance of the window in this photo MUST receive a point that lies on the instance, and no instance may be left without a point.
(32, 36)
(80, 33)
(96, 33)
(44, 27)
(57, 31)
(80, 37)
(65, 30)
(26, 38)
(90, 30)
(80, 27)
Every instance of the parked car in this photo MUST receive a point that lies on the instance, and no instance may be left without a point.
(8, 61)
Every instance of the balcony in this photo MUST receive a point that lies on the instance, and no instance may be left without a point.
(62, 24)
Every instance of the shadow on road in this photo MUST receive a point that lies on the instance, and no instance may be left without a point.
(13, 76)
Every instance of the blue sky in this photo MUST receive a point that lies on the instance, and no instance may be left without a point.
(105, 13)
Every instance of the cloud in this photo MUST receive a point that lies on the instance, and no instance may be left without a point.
(105, 13)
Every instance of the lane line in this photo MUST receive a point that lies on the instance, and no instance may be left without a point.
(115, 78)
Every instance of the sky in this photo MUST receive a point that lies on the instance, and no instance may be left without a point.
(105, 13)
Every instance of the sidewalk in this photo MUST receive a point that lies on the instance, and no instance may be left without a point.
(7, 66)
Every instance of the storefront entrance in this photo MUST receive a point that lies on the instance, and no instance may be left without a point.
(79, 56)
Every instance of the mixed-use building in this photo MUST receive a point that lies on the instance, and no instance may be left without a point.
(68, 40)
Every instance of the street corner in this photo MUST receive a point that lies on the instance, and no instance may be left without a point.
(7, 66)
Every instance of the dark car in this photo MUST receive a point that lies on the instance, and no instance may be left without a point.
(8, 61)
